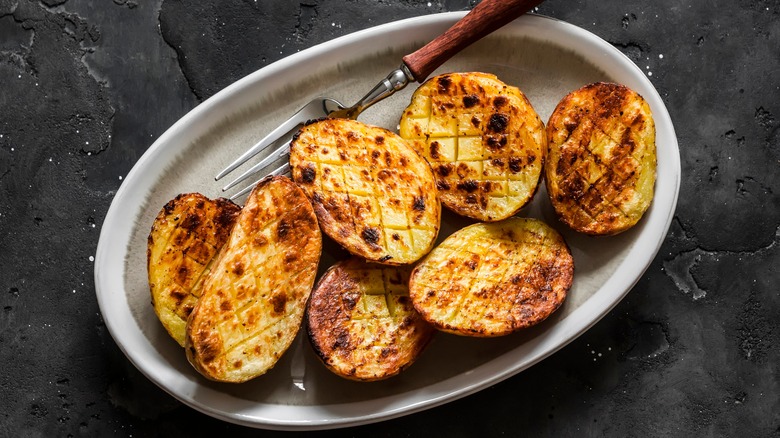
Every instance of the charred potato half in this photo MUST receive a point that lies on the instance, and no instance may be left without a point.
(601, 165)
(361, 321)
(371, 191)
(483, 139)
(185, 237)
(491, 279)
(254, 299)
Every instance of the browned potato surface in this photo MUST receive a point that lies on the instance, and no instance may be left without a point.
(491, 279)
(361, 321)
(601, 164)
(484, 140)
(186, 235)
(371, 191)
(254, 299)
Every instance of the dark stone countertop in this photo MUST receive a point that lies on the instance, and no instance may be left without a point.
(86, 87)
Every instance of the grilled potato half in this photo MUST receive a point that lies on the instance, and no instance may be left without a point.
(484, 140)
(361, 321)
(601, 165)
(491, 279)
(371, 191)
(185, 237)
(254, 299)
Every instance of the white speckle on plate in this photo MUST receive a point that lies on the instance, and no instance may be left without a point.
(91, 258)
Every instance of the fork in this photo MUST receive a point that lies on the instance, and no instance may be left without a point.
(483, 19)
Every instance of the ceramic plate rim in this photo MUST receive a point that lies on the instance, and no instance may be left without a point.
(109, 258)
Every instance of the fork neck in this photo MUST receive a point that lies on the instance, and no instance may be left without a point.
(395, 81)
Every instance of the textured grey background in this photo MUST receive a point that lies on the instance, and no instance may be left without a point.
(86, 87)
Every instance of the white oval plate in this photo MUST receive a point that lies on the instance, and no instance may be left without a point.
(546, 58)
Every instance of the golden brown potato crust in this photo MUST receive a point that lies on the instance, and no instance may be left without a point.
(601, 164)
(254, 298)
(484, 140)
(491, 279)
(185, 237)
(372, 193)
(361, 321)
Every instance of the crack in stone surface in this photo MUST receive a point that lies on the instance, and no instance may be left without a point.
(179, 53)
(650, 340)
(680, 269)
(130, 4)
(14, 33)
(626, 20)
(635, 51)
(307, 16)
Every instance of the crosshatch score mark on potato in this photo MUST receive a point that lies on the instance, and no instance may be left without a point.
(371, 191)
(186, 236)
(362, 323)
(491, 279)
(484, 140)
(254, 299)
(602, 163)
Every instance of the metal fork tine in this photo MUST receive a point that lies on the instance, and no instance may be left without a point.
(279, 153)
(287, 126)
(283, 169)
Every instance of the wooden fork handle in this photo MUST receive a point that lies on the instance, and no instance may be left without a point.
(486, 17)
